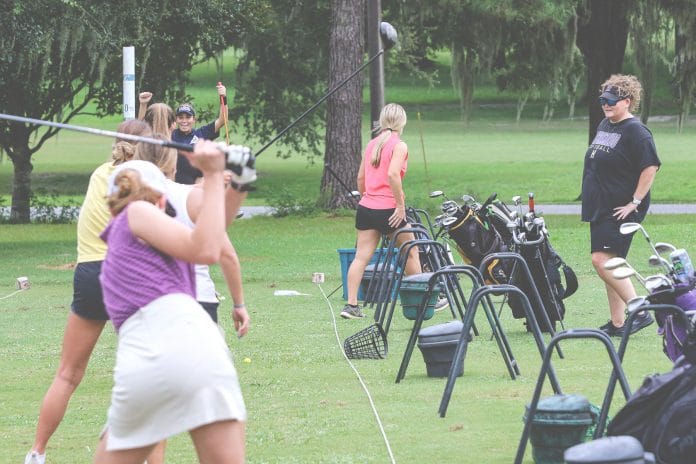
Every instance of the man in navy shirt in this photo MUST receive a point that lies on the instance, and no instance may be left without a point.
(188, 134)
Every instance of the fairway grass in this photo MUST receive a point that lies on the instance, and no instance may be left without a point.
(305, 403)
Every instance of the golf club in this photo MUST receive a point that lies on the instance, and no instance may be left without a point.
(354, 194)
(237, 156)
(389, 37)
(615, 262)
(437, 193)
(626, 272)
(223, 102)
(663, 247)
(628, 228)
(654, 282)
(635, 302)
(659, 261)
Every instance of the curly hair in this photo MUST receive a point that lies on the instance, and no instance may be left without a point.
(130, 188)
(123, 150)
(629, 87)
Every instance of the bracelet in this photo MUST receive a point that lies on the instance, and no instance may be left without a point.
(636, 201)
(238, 306)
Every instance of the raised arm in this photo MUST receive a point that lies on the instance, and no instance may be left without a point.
(220, 121)
(144, 98)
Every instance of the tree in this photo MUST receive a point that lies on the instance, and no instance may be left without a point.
(602, 37)
(344, 111)
(59, 56)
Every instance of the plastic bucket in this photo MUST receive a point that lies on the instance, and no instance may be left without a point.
(412, 291)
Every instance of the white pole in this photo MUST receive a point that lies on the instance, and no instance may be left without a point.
(128, 83)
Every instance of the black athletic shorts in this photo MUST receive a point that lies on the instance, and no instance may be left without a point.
(210, 308)
(88, 301)
(375, 219)
(605, 237)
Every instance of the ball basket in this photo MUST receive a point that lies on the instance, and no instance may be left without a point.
(369, 343)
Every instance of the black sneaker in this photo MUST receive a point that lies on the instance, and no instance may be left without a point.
(610, 329)
(641, 321)
(352, 312)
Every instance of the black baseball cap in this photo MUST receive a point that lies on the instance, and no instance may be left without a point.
(185, 108)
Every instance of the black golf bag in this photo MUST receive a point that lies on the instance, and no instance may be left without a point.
(475, 238)
(553, 278)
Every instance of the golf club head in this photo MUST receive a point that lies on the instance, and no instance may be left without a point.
(614, 263)
(516, 200)
(511, 225)
(239, 214)
(627, 228)
(468, 199)
(663, 247)
(388, 35)
(655, 282)
(448, 221)
(658, 261)
(623, 272)
(436, 193)
(355, 194)
(635, 302)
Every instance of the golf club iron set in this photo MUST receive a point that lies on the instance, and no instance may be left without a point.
(674, 263)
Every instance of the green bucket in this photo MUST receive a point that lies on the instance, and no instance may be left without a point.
(560, 421)
(411, 293)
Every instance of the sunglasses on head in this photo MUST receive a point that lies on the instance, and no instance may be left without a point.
(609, 101)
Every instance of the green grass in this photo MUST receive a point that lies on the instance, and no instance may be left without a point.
(305, 403)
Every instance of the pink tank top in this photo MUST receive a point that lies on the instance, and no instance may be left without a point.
(378, 193)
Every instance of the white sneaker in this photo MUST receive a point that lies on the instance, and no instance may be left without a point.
(35, 458)
(441, 304)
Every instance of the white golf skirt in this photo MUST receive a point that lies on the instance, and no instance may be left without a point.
(173, 373)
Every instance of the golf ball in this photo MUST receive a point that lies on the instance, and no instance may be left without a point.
(246, 360)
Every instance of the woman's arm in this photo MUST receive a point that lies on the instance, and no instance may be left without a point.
(361, 177)
(394, 177)
(232, 271)
(204, 242)
(645, 181)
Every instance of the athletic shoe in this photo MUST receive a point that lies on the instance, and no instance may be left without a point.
(352, 312)
(610, 329)
(35, 458)
(641, 321)
(441, 304)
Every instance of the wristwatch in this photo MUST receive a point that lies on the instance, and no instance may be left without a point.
(636, 201)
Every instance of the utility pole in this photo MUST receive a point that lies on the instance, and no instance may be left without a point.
(374, 45)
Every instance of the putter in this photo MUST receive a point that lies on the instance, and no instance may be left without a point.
(237, 157)
(389, 37)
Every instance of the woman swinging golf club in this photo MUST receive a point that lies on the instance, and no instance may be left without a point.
(382, 208)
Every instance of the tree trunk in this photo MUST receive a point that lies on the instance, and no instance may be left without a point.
(21, 184)
(602, 36)
(344, 110)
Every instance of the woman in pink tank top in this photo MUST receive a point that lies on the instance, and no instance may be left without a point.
(382, 208)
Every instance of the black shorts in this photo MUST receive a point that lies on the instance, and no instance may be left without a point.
(605, 237)
(375, 219)
(210, 308)
(88, 301)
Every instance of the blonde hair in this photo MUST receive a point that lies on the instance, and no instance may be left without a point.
(163, 157)
(130, 188)
(628, 86)
(392, 118)
(160, 117)
(123, 150)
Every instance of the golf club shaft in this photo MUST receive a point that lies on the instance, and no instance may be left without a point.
(233, 159)
(331, 171)
(223, 102)
(313, 107)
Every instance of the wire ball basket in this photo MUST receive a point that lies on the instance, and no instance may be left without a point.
(369, 343)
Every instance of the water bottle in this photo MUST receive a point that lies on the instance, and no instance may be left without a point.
(683, 269)
(530, 202)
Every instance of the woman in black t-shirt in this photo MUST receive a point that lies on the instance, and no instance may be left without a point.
(620, 166)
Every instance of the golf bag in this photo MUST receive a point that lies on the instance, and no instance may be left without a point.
(546, 267)
(660, 414)
(475, 238)
(671, 328)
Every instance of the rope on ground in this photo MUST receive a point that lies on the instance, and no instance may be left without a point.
(13, 293)
(367, 392)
